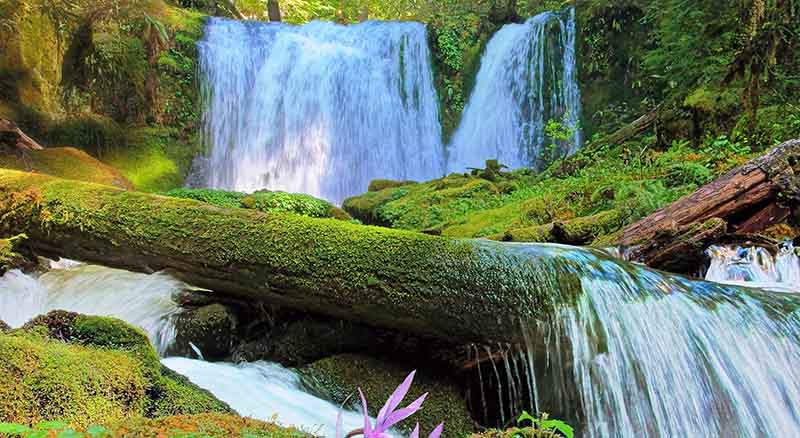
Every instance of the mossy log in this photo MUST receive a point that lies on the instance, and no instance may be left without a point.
(452, 289)
(749, 198)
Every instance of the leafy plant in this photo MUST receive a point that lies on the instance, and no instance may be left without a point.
(547, 425)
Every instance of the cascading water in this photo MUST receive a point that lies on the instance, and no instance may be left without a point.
(321, 109)
(636, 352)
(260, 390)
(755, 266)
(527, 77)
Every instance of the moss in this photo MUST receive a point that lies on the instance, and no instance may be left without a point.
(382, 184)
(212, 425)
(317, 265)
(515, 432)
(67, 163)
(46, 379)
(210, 328)
(265, 201)
(339, 377)
(9, 259)
(775, 124)
(174, 394)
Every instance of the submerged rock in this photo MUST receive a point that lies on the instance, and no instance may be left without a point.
(87, 370)
(338, 378)
(211, 328)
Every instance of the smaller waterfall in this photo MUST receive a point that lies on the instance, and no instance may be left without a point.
(755, 267)
(321, 108)
(528, 77)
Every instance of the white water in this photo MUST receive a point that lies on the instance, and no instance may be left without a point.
(259, 390)
(646, 354)
(143, 300)
(527, 77)
(321, 109)
(755, 267)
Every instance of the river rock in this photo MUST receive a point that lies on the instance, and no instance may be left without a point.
(211, 328)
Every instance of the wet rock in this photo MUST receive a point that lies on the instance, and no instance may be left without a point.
(306, 340)
(211, 328)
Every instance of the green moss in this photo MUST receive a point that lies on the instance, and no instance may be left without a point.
(212, 425)
(382, 184)
(174, 394)
(265, 201)
(67, 163)
(339, 377)
(774, 125)
(46, 379)
(515, 432)
(9, 259)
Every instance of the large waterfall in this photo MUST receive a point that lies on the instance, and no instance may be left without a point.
(527, 78)
(259, 390)
(323, 109)
(320, 109)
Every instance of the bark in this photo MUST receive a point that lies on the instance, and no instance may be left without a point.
(461, 291)
(274, 10)
(13, 137)
(749, 199)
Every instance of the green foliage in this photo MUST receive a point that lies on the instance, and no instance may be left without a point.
(545, 424)
(266, 201)
(219, 198)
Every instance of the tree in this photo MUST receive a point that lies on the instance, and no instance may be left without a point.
(273, 10)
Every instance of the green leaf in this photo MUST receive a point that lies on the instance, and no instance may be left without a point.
(560, 426)
(12, 428)
(525, 416)
(51, 425)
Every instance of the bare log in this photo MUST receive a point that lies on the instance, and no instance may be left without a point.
(13, 137)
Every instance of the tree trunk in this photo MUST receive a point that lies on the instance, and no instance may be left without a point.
(12, 137)
(462, 291)
(274, 10)
(749, 198)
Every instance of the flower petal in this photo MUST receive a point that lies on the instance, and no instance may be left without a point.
(367, 425)
(415, 432)
(395, 399)
(437, 431)
(401, 414)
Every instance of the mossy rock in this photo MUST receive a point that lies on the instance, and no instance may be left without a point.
(45, 379)
(9, 258)
(66, 162)
(211, 328)
(176, 395)
(66, 338)
(339, 377)
(265, 201)
(210, 425)
(383, 184)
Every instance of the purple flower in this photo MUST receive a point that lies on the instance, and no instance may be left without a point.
(390, 415)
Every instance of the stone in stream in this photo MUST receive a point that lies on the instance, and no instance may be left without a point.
(211, 329)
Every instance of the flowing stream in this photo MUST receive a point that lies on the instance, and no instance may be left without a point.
(527, 77)
(259, 390)
(756, 267)
(324, 109)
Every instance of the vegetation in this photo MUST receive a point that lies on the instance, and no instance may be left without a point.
(264, 201)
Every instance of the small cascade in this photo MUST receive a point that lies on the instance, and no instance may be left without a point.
(527, 77)
(756, 267)
(260, 390)
(321, 109)
(142, 300)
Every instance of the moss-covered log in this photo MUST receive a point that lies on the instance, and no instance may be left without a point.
(761, 188)
(459, 290)
(13, 137)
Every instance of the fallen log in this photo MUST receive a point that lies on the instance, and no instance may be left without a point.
(749, 199)
(456, 290)
(13, 137)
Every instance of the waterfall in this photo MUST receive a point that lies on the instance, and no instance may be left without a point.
(642, 353)
(527, 77)
(260, 390)
(321, 109)
(755, 266)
